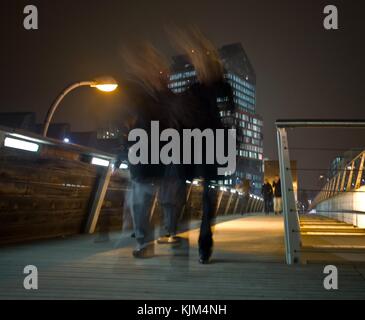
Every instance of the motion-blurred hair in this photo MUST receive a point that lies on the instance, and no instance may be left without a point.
(145, 64)
(201, 52)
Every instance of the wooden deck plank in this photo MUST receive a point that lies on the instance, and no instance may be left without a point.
(248, 263)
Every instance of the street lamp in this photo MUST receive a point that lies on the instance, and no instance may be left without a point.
(105, 84)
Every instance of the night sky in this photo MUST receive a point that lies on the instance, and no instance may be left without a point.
(303, 71)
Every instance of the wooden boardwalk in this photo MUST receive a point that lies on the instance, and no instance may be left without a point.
(248, 263)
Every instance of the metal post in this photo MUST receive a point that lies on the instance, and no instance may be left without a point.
(257, 206)
(244, 205)
(254, 205)
(219, 202)
(99, 199)
(348, 186)
(154, 205)
(181, 216)
(236, 204)
(189, 193)
(291, 219)
(334, 186)
(330, 187)
(338, 178)
(361, 169)
(228, 204)
(343, 179)
(58, 100)
(325, 191)
(248, 204)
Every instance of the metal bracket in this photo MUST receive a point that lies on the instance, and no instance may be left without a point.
(361, 169)
(98, 200)
(228, 204)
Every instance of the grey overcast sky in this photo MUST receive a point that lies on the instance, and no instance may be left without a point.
(303, 71)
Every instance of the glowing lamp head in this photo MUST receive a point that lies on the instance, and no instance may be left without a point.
(106, 84)
(106, 87)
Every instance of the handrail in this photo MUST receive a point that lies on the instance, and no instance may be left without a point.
(320, 123)
(337, 183)
(39, 139)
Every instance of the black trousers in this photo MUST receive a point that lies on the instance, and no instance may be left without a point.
(267, 204)
(206, 234)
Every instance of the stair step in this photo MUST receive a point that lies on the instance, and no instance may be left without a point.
(357, 249)
(332, 233)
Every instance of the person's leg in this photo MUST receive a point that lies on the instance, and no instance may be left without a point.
(142, 198)
(271, 209)
(172, 200)
(165, 228)
(179, 205)
(275, 205)
(206, 235)
(165, 201)
(280, 205)
(127, 219)
(267, 204)
(167, 211)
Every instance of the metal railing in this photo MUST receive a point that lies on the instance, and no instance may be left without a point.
(291, 218)
(348, 179)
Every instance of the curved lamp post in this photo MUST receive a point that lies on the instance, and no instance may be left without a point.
(103, 84)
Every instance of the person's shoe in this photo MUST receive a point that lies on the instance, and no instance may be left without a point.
(163, 239)
(174, 240)
(145, 252)
(168, 240)
(205, 248)
(204, 256)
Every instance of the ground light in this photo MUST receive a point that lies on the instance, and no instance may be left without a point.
(100, 162)
(21, 144)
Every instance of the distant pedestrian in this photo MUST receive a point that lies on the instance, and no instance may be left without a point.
(201, 98)
(278, 203)
(267, 192)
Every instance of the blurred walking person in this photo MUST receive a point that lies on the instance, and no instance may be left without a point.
(152, 100)
(146, 93)
(202, 102)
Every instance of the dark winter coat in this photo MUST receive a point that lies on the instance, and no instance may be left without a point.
(201, 102)
(277, 189)
(267, 191)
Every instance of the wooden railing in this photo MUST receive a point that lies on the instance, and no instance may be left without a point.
(55, 191)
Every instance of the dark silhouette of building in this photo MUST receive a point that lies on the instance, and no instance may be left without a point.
(19, 120)
(92, 140)
(27, 121)
(59, 131)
